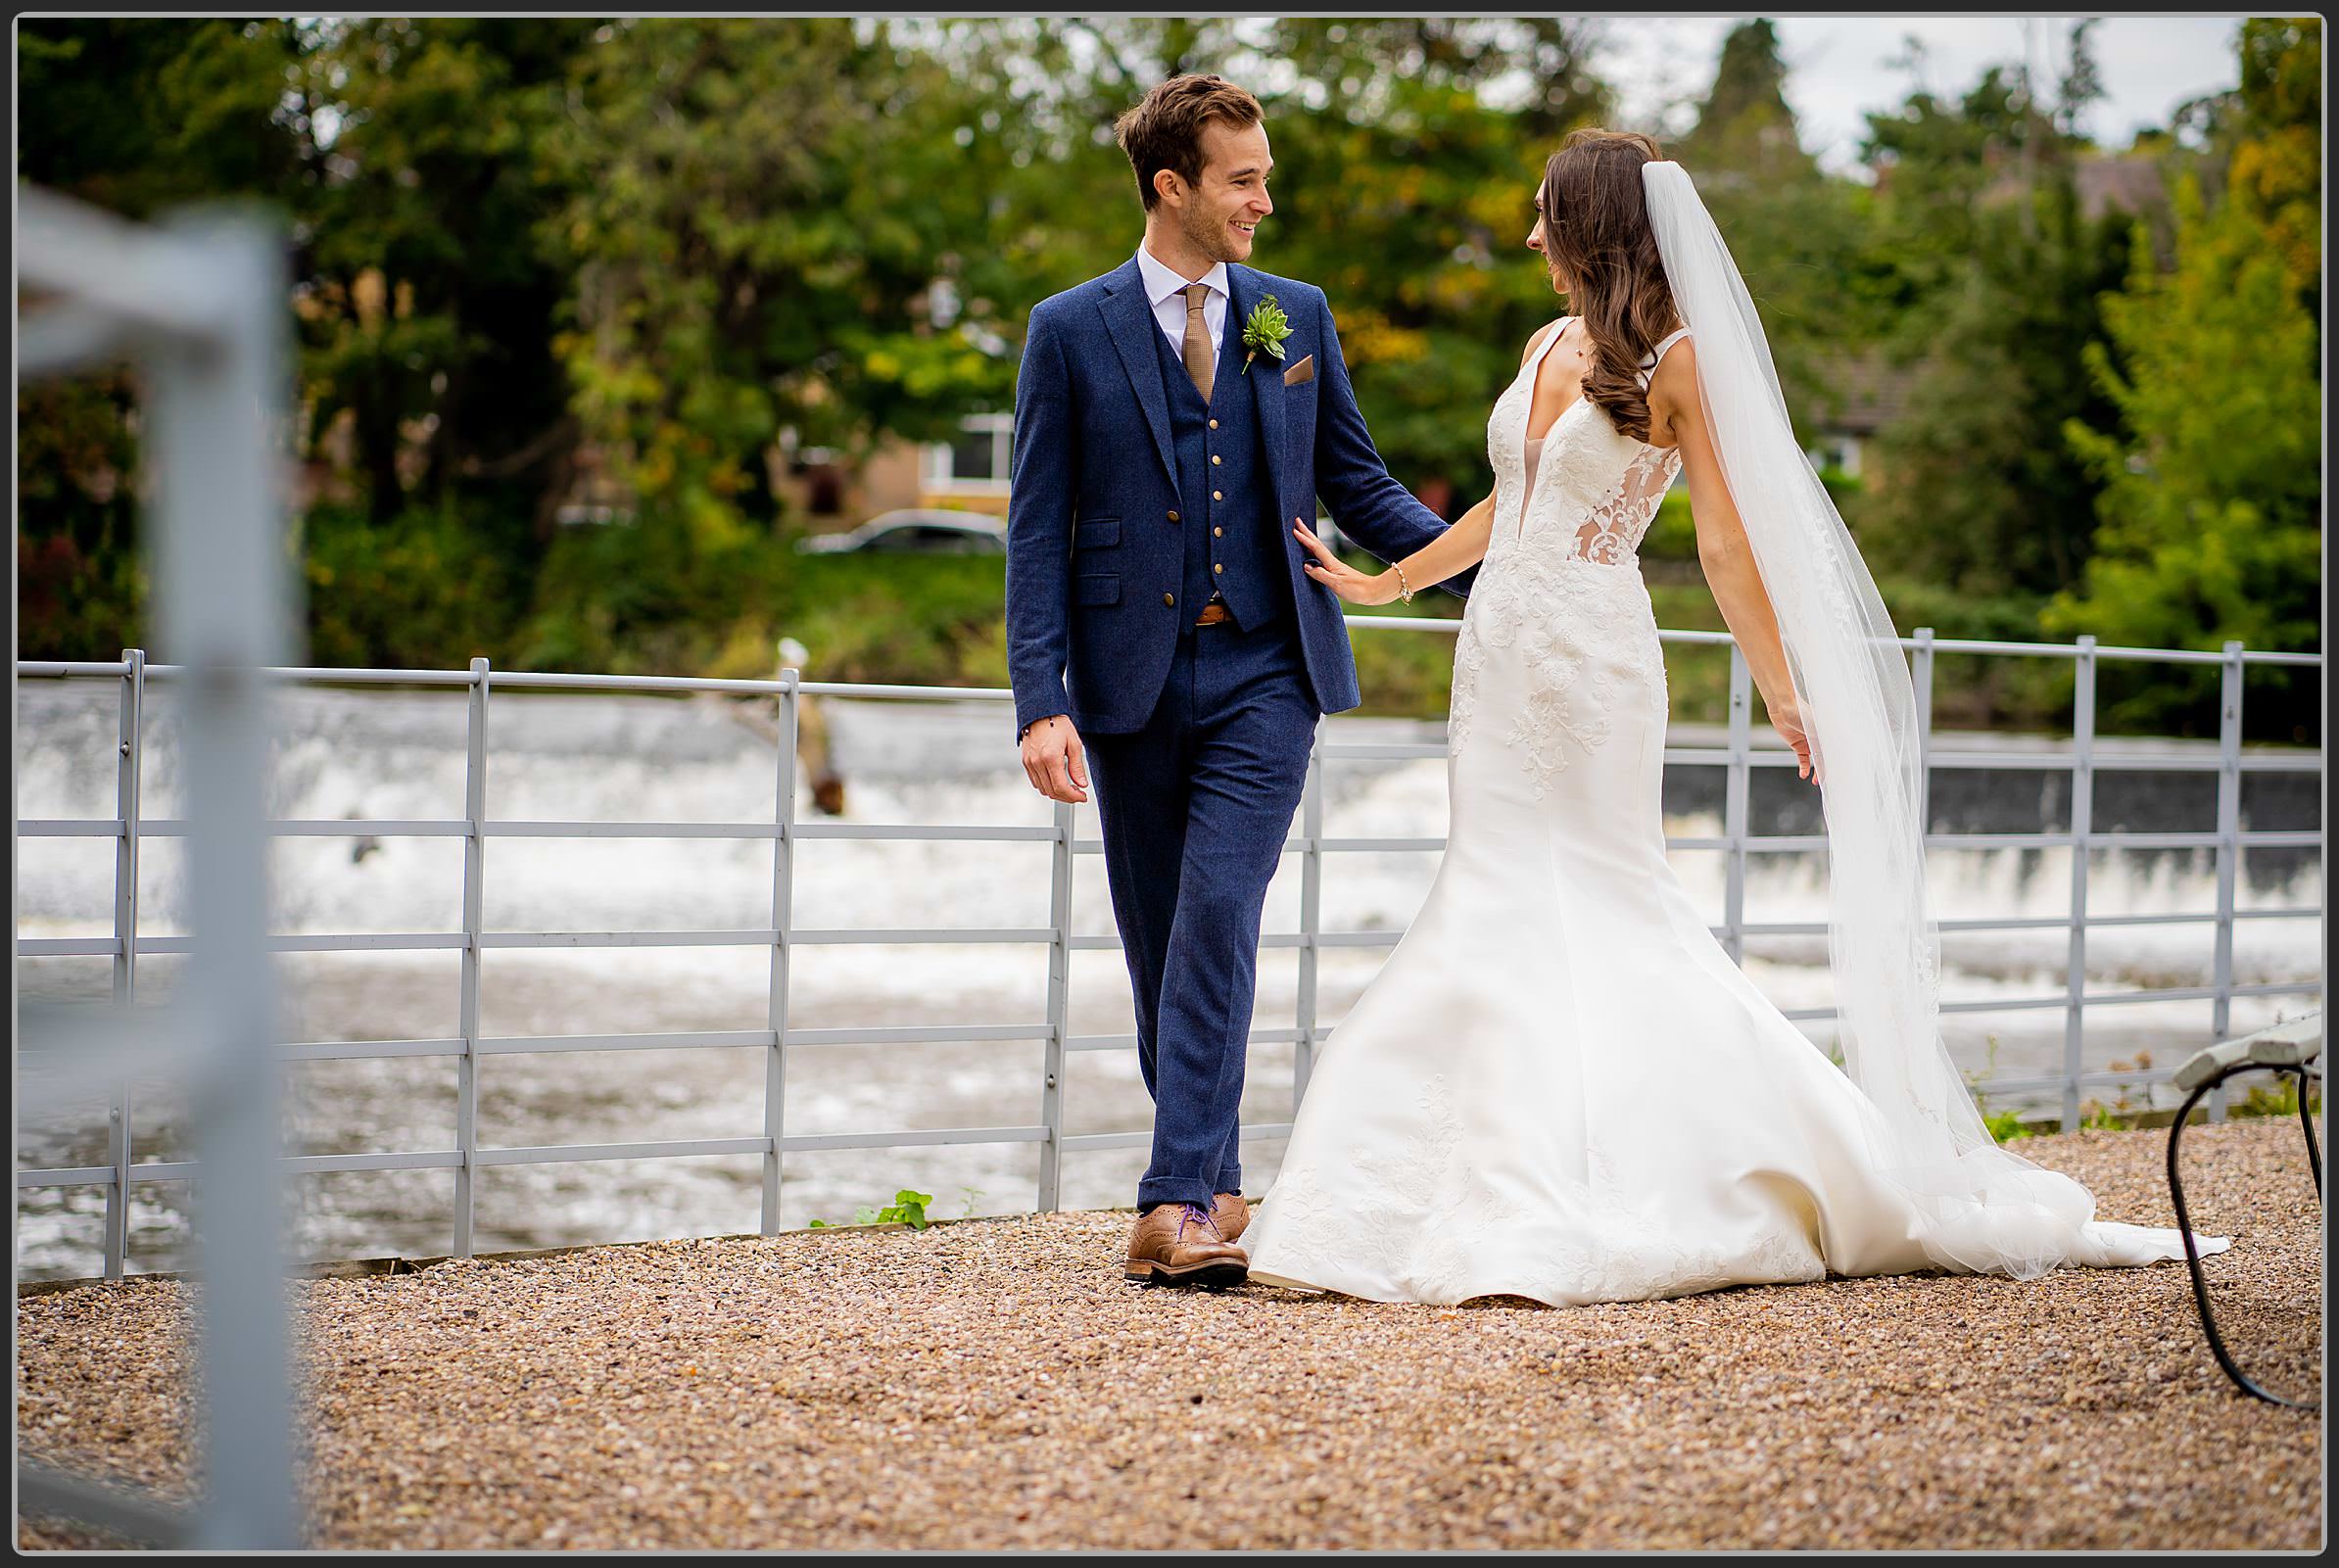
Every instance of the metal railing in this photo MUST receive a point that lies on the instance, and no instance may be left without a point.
(783, 937)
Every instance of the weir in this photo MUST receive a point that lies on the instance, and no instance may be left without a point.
(678, 915)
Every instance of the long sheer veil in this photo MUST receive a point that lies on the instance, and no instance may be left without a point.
(1982, 1208)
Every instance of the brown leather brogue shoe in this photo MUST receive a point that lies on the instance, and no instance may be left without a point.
(1232, 1214)
(1180, 1244)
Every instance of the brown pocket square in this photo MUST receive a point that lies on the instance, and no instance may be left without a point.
(1305, 370)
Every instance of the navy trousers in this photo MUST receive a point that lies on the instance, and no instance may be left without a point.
(1195, 807)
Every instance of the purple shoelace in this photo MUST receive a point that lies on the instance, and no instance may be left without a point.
(1194, 1211)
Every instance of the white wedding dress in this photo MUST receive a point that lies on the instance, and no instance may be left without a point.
(1560, 1085)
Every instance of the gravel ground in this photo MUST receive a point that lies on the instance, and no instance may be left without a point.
(993, 1384)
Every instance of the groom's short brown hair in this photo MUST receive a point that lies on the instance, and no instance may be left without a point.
(1165, 131)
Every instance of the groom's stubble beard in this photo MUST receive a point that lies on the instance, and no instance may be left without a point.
(1207, 233)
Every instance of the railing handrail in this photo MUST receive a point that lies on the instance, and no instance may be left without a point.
(2083, 756)
(328, 675)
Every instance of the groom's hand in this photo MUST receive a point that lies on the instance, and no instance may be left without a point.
(1054, 760)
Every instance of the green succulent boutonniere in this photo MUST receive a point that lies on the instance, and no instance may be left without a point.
(1264, 330)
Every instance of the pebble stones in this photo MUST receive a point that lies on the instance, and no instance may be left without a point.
(995, 1384)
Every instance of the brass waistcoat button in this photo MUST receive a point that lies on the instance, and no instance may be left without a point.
(1215, 496)
(1169, 598)
(1173, 517)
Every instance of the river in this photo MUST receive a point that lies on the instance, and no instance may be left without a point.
(378, 753)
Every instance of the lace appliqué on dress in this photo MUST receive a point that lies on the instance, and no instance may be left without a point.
(1566, 617)
(1555, 591)
(1611, 532)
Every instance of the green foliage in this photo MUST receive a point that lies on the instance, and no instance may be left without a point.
(2005, 1125)
(1993, 274)
(762, 210)
(79, 584)
(1795, 234)
(2279, 1097)
(424, 592)
(642, 255)
(2277, 169)
(907, 1207)
(2210, 510)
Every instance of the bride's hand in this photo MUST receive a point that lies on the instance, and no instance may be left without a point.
(1340, 577)
(1788, 719)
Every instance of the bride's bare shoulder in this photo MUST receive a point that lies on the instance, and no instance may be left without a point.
(1535, 340)
(1672, 391)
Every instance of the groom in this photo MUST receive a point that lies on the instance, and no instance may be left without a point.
(1159, 629)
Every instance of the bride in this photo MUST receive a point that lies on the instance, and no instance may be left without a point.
(1560, 1086)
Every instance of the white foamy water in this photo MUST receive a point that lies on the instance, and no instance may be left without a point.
(375, 754)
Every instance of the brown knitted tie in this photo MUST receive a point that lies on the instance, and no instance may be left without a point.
(1197, 346)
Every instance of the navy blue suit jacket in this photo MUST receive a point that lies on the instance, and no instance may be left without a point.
(1093, 489)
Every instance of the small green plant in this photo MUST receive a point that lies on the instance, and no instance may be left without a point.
(2100, 1116)
(2279, 1097)
(2005, 1124)
(973, 1196)
(907, 1207)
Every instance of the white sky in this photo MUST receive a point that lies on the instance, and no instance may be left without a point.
(1836, 71)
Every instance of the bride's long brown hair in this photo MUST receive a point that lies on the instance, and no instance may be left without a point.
(1596, 233)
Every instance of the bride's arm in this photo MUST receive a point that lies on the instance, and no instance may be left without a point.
(1722, 547)
(1459, 547)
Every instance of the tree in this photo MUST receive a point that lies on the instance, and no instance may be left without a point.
(135, 116)
(2277, 166)
(429, 273)
(1745, 133)
(763, 210)
(2210, 515)
(1793, 232)
(1996, 273)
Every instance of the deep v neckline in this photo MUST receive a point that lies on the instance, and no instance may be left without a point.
(1534, 373)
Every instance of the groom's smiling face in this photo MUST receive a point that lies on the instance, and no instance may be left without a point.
(1219, 212)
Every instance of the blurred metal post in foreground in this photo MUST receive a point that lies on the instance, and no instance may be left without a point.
(200, 303)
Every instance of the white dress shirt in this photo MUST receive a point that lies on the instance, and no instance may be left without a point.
(1168, 293)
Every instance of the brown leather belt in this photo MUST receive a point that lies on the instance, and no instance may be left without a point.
(1213, 613)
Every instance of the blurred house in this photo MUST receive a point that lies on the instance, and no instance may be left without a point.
(1858, 396)
(967, 472)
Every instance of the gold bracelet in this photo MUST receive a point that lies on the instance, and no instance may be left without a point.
(1404, 592)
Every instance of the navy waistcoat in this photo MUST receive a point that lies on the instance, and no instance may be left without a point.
(1228, 505)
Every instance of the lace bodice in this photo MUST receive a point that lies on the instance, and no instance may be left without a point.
(1593, 491)
(1569, 511)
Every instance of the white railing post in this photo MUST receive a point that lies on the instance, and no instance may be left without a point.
(1051, 1088)
(126, 775)
(784, 873)
(2083, 817)
(2229, 715)
(466, 1081)
(1735, 791)
(1312, 885)
(224, 599)
(1921, 677)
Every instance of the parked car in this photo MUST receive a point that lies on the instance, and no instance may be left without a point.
(915, 529)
